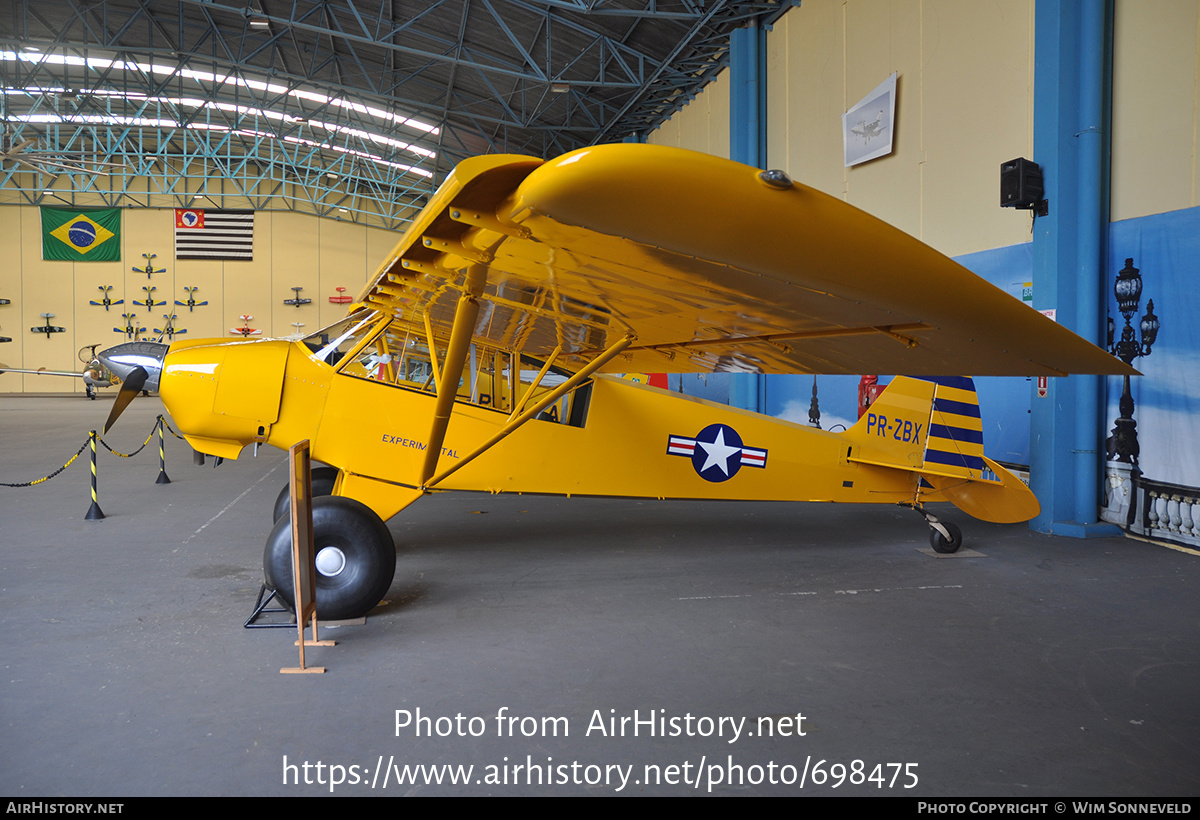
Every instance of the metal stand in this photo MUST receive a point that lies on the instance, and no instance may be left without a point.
(260, 608)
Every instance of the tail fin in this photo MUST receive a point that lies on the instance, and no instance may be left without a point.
(933, 427)
(892, 432)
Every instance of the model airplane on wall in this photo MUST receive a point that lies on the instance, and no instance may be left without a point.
(477, 358)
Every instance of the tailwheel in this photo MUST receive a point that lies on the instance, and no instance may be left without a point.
(355, 558)
(323, 479)
(939, 542)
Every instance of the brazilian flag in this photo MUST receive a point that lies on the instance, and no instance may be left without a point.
(81, 235)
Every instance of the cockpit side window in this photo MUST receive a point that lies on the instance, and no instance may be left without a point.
(399, 355)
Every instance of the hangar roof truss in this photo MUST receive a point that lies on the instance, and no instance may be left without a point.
(354, 108)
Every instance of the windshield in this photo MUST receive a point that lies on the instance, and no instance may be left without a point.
(330, 344)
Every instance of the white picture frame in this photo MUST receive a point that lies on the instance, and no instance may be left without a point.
(869, 125)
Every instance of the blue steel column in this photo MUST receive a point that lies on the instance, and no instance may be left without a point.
(1071, 127)
(748, 144)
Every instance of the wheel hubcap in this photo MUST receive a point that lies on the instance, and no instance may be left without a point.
(330, 561)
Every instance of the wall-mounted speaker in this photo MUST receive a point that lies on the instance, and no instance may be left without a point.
(1020, 184)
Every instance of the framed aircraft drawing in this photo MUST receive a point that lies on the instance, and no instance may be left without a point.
(868, 127)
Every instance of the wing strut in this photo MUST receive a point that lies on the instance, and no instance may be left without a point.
(456, 356)
(547, 400)
(437, 376)
(518, 406)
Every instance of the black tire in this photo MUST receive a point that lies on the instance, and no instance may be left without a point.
(359, 540)
(939, 542)
(323, 479)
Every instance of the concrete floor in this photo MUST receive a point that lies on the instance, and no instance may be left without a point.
(1028, 666)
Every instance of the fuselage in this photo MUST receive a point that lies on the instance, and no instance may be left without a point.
(610, 437)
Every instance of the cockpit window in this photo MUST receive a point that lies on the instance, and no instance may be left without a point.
(332, 343)
(398, 354)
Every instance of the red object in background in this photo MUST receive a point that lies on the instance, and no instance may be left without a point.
(657, 380)
(868, 391)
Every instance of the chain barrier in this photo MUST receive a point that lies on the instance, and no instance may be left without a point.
(70, 461)
(84, 446)
(135, 452)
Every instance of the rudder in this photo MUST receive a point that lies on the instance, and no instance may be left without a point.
(955, 443)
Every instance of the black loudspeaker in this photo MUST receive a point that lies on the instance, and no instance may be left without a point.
(1020, 184)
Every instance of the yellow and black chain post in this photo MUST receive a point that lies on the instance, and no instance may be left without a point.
(94, 513)
(162, 456)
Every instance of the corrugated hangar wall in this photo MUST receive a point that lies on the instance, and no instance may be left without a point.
(1156, 108)
(290, 250)
(964, 105)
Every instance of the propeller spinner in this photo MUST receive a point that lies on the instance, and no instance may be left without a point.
(138, 365)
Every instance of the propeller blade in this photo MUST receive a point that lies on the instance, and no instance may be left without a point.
(130, 387)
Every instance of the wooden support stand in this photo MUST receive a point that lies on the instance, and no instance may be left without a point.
(304, 567)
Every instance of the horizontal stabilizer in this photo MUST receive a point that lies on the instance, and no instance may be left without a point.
(1003, 499)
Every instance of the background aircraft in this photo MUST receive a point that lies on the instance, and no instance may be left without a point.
(94, 373)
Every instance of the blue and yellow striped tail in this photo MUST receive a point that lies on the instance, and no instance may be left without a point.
(931, 427)
(955, 467)
(955, 442)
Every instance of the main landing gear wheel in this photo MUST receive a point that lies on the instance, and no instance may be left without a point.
(323, 479)
(939, 542)
(355, 557)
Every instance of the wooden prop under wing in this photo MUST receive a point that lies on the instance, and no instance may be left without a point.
(710, 268)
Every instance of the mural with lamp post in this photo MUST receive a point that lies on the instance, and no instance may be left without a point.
(1152, 471)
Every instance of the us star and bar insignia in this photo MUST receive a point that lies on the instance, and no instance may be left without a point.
(717, 452)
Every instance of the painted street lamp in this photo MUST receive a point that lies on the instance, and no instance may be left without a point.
(1123, 444)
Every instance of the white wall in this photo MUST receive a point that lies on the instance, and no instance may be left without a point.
(1156, 106)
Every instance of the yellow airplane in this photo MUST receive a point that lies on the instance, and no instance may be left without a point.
(480, 357)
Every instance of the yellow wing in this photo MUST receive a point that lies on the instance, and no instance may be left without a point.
(709, 267)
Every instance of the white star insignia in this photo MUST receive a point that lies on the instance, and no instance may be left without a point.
(718, 452)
